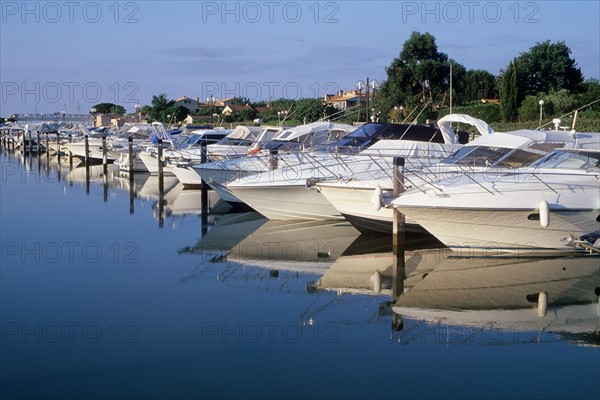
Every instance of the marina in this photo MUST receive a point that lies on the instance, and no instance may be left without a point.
(300, 200)
(149, 286)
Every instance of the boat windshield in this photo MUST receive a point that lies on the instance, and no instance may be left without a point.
(196, 138)
(229, 141)
(286, 145)
(486, 156)
(370, 133)
(584, 160)
(518, 158)
(190, 140)
(478, 156)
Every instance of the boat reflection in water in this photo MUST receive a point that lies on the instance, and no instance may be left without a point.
(301, 246)
(149, 189)
(486, 300)
(428, 292)
(180, 201)
(503, 300)
(368, 265)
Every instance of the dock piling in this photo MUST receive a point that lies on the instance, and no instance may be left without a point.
(161, 184)
(204, 190)
(273, 159)
(131, 157)
(58, 149)
(70, 153)
(399, 231)
(159, 155)
(87, 164)
(47, 144)
(87, 151)
(104, 158)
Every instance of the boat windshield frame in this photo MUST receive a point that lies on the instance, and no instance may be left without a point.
(582, 159)
(370, 133)
(493, 156)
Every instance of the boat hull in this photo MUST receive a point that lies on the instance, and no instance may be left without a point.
(95, 151)
(467, 230)
(186, 175)
(286, 202)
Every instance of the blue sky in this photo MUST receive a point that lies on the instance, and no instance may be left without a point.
(69, 55)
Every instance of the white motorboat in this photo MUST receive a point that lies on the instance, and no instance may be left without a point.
(280, 192)
(32, 133)
(145, 143)
(117, 142)
(221, 171)
(10, 133)
(238, 142)
(360, 198)
(284, 143)
(95, 145)
(184, 150)
(543, 206)
(95, 150)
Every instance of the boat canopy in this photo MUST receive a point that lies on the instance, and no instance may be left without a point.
(588, 141)
(411, 149)
(445, 126)
(510, 149)
(522, 138)
(303, 130)
(44, 127)
(372, 132)
(245, 132)
(210, 136)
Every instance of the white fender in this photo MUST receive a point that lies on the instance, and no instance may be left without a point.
(376, 282)
(542, 304)
(376, 199)
(544, 213)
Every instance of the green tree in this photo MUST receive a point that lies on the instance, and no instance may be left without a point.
(248, 114)
(271, 116)
(509, 93)
(261, 103)
(530, 107)
(484, 111)
(311, 110)
(418, 75)
(590, 92)
(205, 110)
(109, 108)
(268, 116)
(240, 101)
(548, 67)
(160, 105)
(478, 84)
(177, 113)
(556, 103)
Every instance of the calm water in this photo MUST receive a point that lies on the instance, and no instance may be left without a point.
(105, 295)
